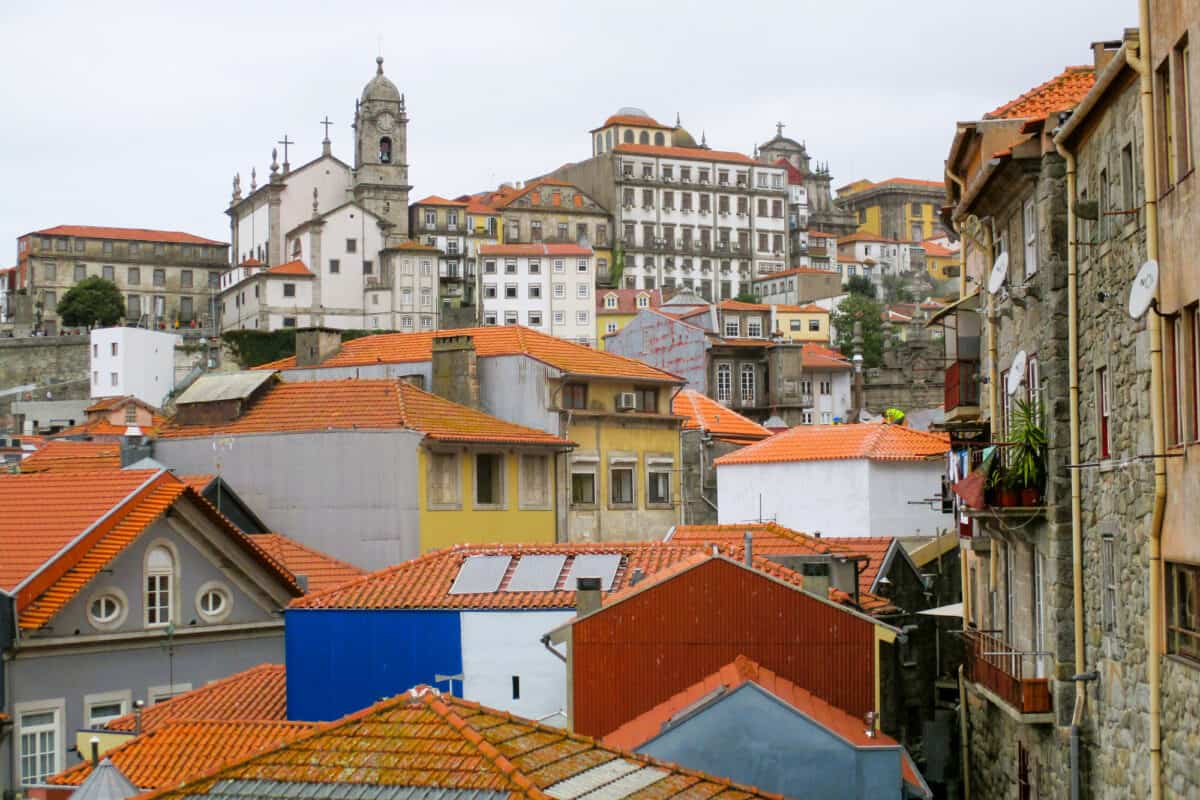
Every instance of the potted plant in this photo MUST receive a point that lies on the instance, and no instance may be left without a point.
(995, 482)
(1027, 454)
(1007, 493)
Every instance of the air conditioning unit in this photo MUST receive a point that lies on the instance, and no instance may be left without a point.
(626, 401)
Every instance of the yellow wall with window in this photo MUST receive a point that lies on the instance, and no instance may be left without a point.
(804, 333)
(923, 215)
(604, 319)
(869, 220)
(521, 517)
(936, 266)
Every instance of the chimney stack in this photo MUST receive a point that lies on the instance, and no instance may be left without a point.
(456, 369)
(314, 345)
(587, 595)
(137, 717)
(135, 446)
(748, 548)
(1103, 52)
(95, 743)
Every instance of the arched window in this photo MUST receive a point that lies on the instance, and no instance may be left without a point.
(644, 138)
(599, 143)
(608, 140)
(628, 136)
(385, 150)
(659, 140)
(160, 574)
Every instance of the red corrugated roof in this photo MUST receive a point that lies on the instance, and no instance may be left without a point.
(1061, 93)
(877, 442)
(258, 693)
(125, 234)
(702, 412)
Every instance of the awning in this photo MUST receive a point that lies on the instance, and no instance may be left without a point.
(952, 610)
(967, 303)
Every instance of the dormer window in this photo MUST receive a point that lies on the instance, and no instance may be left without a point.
(643, 301)
(385, 150)
(610, 301)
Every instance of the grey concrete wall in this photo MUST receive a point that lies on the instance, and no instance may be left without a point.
(700, 477)
(351, 494)
(422, 368)
(752, 738)
(38, 415)
(58, 364)
(517, 389)
(664, 343)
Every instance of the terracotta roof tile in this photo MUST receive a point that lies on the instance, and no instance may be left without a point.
(937, 250)
(297, 267)
(506, 340)
(102, 427)
(816, 356)
(821, 235)
(877, 442)
(547, 250)
(437, 200)
(125, 234)
(703, 413)
(769, 538)
(632, 119)
(416, 247)
(693, 153)
(258, 693)
(118, 401)
(322, 571)
(424, 739)
(175, 752)
(626, 300)
(70, 455)
(361, 404)
(875, 548)
(1061, 93)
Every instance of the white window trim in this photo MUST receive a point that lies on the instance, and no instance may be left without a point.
(159, 694)
(217, 586)
(56, 706)
(122, 696)
(172, 588)
(121, 617)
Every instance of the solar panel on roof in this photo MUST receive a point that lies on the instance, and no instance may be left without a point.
(480, 574)
(602, 566)
(536, 573)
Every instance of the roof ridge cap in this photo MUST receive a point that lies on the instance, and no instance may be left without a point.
(489, 751)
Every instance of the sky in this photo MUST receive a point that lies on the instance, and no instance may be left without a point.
(139, 114)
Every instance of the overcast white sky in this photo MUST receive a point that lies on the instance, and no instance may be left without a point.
(138, 114)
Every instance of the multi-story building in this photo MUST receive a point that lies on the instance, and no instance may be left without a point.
(878, 257)
(941, 258)
(821, 250)
(798, 286)
(547, 211)
(343, 224)
(616, 307)
(685, 216)
(169, 279)
(446, 226)
(547, 287)
(905, 209)
(133, 362)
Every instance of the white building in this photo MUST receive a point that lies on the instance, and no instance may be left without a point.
(133, 361)
(687, 217)
(876, 257)
(826, 383)
(547, 287)
(346, 226)
(839, 480)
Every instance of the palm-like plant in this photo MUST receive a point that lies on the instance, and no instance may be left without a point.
(1027, 458)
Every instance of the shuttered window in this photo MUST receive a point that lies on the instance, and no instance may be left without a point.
(535, 481)
(443, 480)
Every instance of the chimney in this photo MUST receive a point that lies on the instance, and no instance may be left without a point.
(135, 446)
(302, 581)
(748, 548)
(455, 369)
(587, 595)
(314, 345)
(137, 717)
(95, 743)
(636, 576)
(1103, 52)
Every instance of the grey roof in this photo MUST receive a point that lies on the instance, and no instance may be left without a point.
(145, 463)
(105, 783)
(288, 790)
(231, 386)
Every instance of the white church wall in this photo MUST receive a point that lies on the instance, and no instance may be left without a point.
(253, 231)
(332, 181)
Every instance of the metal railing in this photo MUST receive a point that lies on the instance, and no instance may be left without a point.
(995, 664)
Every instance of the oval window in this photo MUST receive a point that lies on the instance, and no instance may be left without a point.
(214, 602)
(105, 609)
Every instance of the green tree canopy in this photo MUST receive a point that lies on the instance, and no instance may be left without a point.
(92, 301)
(860, 285)
(746, 296)
(857, 308)
(896, 289)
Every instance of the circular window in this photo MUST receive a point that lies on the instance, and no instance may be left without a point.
(213, 602)
(106, 609)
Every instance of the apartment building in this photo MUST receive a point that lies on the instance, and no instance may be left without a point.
(897, 208)
(547, 287)
(168, 278)
(547, 211)
(445, 226)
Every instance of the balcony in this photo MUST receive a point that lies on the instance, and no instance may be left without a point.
(1000, 671)
(961, 398)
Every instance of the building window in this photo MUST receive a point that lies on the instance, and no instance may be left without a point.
(510, 291)
(1183, 610)
(100, 709)
(574, 396)
(80, 272)
(489, 479)
(185, 279)
(1103, 390)
(133, 276)
(754, 327)
(658, 486)
(583, 487)
(724, 382)
(289, 290)
(1108, 573)
(535, 291)
(443, 480)
(511, 318)
(582, 290)
(620, 481)
(385, 150)
(535, 481)
(335, 266)
(1166, 124)
(213, 602)
(489, 266)
(559, 266)
(814, 325)
(107, 610)
(731, 328)
(160, 572)
(806, 417)
(581, 317)
(160, 277)
(535, 266)
(747, 384)
(489, 291)
(39, 742)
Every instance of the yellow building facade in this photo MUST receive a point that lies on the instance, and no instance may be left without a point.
(616, 307)
(803, 323)
(905, 209)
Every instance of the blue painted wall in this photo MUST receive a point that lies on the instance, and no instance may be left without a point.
(752, 738)
(339, 662)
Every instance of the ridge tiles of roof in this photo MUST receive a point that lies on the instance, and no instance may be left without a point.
(125, 234)
(1061, 93)
(504, 340)
(296, 267)
(258, 693)
(766, 538)
(701, 412)
(425, 739)
(694, 153)
(877, 442)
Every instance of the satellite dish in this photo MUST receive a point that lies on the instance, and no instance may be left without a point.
(1141, 293)
(999, 273)
(1016, 373)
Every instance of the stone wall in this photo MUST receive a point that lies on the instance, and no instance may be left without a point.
(55, 364)
(699, 475)
(912, 375)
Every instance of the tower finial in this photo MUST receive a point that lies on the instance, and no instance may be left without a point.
(237, 186)
(703, 138)
(677, 125)
(378, 65)
(315, 202)
(274, 161)
(253, 179)
(779, 129)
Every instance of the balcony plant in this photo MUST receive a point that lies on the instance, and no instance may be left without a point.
(996, 480)
(1027, 454)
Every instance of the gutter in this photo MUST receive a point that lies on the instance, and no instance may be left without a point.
(1139, 58)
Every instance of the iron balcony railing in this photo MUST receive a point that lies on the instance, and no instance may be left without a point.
(995, 664)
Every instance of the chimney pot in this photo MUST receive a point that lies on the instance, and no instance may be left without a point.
(587, 595)
(748, 548)
(95, 743)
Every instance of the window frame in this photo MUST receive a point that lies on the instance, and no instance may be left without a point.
(657, 466)
(1109, 587)
(724, 369)
(431, 503)
(1029, 228)
(171, 588)
(57, 708)
(587, 469)
(622, 464)
(124, 697)
(523, 500)
(502, 482)
(747, 397)
(1174, 629)
(575, 390)
(1103, 413)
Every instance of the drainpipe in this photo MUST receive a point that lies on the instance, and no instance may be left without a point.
(1139, 58)
(962, 250)
(962, 734)
(1076, 507)
(993, 335)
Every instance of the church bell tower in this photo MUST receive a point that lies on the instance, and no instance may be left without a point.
(381, 154)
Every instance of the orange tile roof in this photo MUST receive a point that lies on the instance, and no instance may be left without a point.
(701, 412)
(102, 427)
(1061, 93)
(768, 538)
(363, 404)
(937, 250)
(118, 401)
(425, 582)
(69, 455)
(296, 267)
(534, 188)
(125, 234)
(694, 153)
(322, 571)
(425, 739)
(877, 442)
(821, 235)
(631, 119)
(816, 356)
(437, 200)
(197, 482)
(415, 247)
(534, 250)
(875, 548)
(258, 693)
(733, 675)
(912, 182)
(506, 340)
(178, 751)
(626, 300)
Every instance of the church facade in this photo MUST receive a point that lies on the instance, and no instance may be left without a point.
(326, 244)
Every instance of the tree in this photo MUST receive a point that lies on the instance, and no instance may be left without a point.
(896, 289)
(860, 285)
(746, 296)
(92, 301)
(857, 308)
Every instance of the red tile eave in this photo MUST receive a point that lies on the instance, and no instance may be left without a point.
(124, 234)
(695, 154)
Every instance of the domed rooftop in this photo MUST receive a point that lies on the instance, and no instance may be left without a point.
(379, 87)
(681, 138)
(630, 111)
